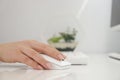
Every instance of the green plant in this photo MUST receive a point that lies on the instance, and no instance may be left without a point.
(66, 36)
(55, 39)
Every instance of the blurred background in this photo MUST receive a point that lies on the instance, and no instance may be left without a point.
(40, 19)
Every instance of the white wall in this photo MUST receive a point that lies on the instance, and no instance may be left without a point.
(33, 19)
(38, 19)
(96, 23)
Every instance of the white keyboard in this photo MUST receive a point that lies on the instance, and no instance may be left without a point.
(115, 56)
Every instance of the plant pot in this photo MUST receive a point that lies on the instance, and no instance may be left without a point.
(64, 46)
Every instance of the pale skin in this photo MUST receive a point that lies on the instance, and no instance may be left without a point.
(28, 52)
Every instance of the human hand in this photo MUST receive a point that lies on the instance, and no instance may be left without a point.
(28, 52)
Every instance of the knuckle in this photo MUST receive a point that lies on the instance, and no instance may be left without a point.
(29, 41)
(44, 46)
(25, 59)
(44, 62)
(32, 63)
(33, 54)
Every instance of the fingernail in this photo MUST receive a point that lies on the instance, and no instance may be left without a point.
(60, 57)
(49, 65)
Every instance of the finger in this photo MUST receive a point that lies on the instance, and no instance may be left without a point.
(47, 50)
(54, 53)
(36, 57)
(28, 61)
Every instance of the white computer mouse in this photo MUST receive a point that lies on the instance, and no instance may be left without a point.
(57, 65)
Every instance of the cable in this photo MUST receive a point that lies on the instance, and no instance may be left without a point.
(82, 8)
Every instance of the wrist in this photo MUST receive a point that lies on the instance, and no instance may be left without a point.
(0, 52)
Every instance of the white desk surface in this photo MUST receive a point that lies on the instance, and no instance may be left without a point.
(100, 67)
